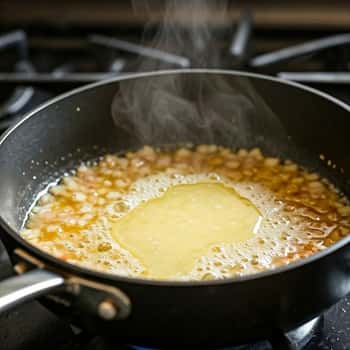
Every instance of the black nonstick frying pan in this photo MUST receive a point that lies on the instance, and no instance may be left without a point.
(228, 108)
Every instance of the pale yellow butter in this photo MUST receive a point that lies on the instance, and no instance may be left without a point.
(170, 233)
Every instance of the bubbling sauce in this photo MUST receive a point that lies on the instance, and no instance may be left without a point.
(188, 214)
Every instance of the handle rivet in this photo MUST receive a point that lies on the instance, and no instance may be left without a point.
(107, 310)
(21, 267)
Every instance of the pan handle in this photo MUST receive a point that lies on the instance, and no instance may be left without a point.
(27, 286)
(108, 302)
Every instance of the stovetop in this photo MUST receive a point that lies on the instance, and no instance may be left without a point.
(35, 67)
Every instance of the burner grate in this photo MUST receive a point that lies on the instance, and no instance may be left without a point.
(105, 56)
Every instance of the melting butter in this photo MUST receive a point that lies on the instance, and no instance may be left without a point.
(170, 233)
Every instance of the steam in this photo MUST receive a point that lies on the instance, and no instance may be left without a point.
(185, 30)
(198, 107)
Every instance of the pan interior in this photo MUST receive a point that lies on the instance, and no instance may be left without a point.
(225, 109)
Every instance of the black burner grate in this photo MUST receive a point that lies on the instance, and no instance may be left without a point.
(104, 56)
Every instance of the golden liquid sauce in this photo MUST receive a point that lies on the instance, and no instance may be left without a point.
(199, 213)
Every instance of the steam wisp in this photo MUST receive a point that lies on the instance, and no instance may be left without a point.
(193, 107)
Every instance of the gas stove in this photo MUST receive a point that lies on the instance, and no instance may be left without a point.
(36, 65)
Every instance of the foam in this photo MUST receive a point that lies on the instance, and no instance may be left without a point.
(277, 235)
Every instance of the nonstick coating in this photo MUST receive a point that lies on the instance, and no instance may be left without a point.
(79, 126)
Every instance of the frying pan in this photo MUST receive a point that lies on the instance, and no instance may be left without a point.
(284, 119)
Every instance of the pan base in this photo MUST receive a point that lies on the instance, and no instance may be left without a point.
(296, 339)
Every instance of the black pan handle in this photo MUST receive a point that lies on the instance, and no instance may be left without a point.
(28, 286)
(103, 300)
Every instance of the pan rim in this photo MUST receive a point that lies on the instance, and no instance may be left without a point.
(93, 274)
